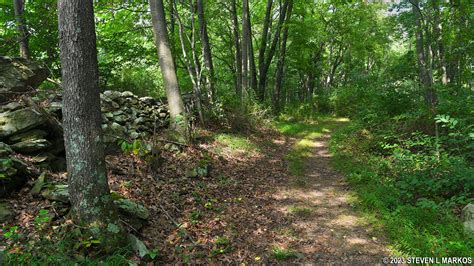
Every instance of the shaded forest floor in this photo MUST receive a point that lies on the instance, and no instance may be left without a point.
(267, 197)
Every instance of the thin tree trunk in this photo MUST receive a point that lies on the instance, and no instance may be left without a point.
(281, 61)
(263, 46)
(439, 40)
(179, 121)
(335, 65)
(425, 76)
(264, 68)
(92, 205)
(19, 6)
(252, 68)
(206, 50)
(193, 71)
(238, 52)
(245, 46)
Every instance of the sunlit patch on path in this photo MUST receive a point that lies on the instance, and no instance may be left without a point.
(329, 230)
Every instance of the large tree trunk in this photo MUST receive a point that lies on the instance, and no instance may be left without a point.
(238, 52)
(281, 62)
(92, 205)
(245, 46)
(263, 45)
(206, 50)
(179, 121)
(264, 67)
(19, 6)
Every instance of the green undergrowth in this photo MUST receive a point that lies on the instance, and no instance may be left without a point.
(410, 194)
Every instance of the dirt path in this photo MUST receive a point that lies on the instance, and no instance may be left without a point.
(329, 229)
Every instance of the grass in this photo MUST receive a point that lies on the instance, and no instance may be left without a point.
(221, 245)
(283, 254)
(235, 143)
(412, 230)
(300, 211)
(306, 132)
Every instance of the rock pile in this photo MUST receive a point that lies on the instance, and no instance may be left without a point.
(31, 126)
(18, 75)
(126, 115)
(134, 213)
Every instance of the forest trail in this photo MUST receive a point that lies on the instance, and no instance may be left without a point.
(330, 230)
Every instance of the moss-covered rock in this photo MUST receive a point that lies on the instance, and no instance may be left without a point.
(58, 192)
(131, 208)
(29, 135)
(13, 122)
(13, 175)
(135, 214)
(6, 212)
(467, 217)
(5, 149)
(31, 145)
(19, 75)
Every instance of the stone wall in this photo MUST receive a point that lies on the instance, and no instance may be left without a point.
(30, 125)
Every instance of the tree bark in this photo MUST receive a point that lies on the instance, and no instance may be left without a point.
(92, 205)
(263, 45)
(19, 6)
(425, 74)
(206, 50)
(193, 71)
(251, 58)
(179, 121)
(238, 52)
(264, 67)
(439, 41)
(245, 46)
(281, 61)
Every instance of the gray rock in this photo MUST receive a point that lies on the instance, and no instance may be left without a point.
(19, 75)
(117, 128)
(19, 121)
(117, 113)
(112, 94)
(139, 121)
(128, 94)
(39, 183)
(55, 107)
(5, 150)
(138, 246)
(135, 212)
(131, 208)
(10, 107)
(32, 145)
(120, 119)
(15, 173)
(6, 212)
(28, 135)
(133, 134)
(41, 158)
(56, 193)
(467, 217)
